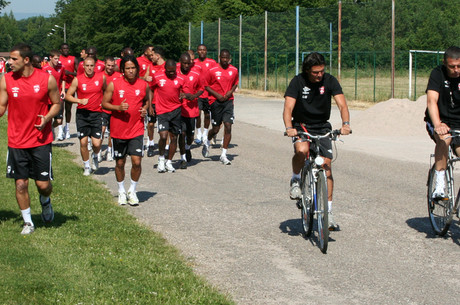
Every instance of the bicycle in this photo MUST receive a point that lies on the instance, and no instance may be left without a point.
(442, 210)
(313, 186)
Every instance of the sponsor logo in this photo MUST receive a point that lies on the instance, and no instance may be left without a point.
(162, 82)
(144, 67)
(137, 92)
(83, 87)
(36, 88)
(138, 150)
(121, 93)
(44, 174)
(305, 92)
(8, 169)
(446, 84)
(15, 91)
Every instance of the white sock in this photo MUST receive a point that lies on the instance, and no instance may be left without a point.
(60, 128)
(26, 215)
(67, 127)
(109, 150)
(440, 177)
(224, 151)
(87, 163)
(161, 158)
(151, 142)
(198, 133)
(121, 187)
(329, 206)
(132, 188)
(205, 134)
(296, 176)
(167, 147)
(168, 162)
(183, 158)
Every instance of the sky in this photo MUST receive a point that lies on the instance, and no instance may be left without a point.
(27, 8)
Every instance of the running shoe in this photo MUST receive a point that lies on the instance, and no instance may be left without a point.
(169, 167)
(150, 150)
(122, 199)
(27, 228)
(205, 150)
(60, 136)
(95, 165)
(183, 164)
(47, 211)
(99, 157)
(109, 156)
(188, 155)
(67, 133)
(333, 226)
(197, 141)
(161, 166)
(224, 160)
(87, 171)
(294, 192)
(439, 192)
(132, 199)
(214, 140)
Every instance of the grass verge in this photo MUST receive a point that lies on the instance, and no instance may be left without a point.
(93, 253)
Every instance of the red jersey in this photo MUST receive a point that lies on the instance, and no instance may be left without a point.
(57, 72)
(118, 62)
(166, 92)
(192, 84)
(68, 63)
(221, 80)
(156, 68)
(108, 79)
(128, 124)
(144, 64)
(98, 67)
(205, 65)
(27, 98)
(90, 88)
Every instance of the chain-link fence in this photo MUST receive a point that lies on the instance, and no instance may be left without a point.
(365, 58)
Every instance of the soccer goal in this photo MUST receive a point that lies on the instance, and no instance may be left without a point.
(413, 62)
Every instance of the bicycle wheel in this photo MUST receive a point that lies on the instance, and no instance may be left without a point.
(322, 211)
(307, 202)
(440, 210)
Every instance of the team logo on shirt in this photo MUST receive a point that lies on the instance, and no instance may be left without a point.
(36, 88)
(321, 90)
(459, 86)
(137, 92)
(305, 92)
(144, 67)
(446, 84)
(207, 64)
(191, 78)
(218, 74)
(121, 93)
(230, 73)
(15, 91)
(175, 83)
(96, 83)
(162, 82)
(83, 87)
(69, 61)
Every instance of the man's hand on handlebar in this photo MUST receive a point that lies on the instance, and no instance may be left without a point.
(442, 129)
(345, 130)
(291, 132)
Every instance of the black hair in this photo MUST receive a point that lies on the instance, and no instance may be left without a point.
(24, 50)
(452, 52)
(132, 59)
(312, 59)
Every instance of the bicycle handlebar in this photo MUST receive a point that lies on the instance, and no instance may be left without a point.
(331, 134)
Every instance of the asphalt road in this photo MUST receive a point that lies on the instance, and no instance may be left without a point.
(237, 227)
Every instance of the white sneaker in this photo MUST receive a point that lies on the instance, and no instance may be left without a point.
(99, 157)
(295, 192)
(95, 164)
(132, 199)
(122, 199)
(28, 228)
(161, 166)
(205, 150)
(224, 160)
(109, 157)
(60, 136)
(87, 171)
(170, 168)
(439, 192)
(67, 134)
(333, 226)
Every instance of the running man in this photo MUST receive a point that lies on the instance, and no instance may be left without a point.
(128, 98)
(193, 88)
(167, 86)
(203, 101)
(89, 87)
(443, 112)
(307, 106)
(222, 81)
(70, 65)
(26, 92)
(110, 76)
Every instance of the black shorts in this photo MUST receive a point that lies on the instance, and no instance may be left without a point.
(152, 118)
(325, 148)
(222, 112)
(105, 117)
(188, 126)
(34, 163)
(203, 104)
(170, 121)
(89, 123)
(132, 147)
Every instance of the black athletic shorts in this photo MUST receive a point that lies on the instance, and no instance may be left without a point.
(170, 121)
(203, 104)
(325, 148)
(89, 123)
(105, 117)
(222, 112)
(188, 126)
(34, 163)
(132, 147)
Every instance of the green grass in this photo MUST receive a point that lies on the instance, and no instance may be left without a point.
(93, 253)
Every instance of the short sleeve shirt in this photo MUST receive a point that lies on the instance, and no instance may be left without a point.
(449, 96)
(313, 100)
(166, 92)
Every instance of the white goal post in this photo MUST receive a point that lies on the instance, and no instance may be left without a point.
(411, 52)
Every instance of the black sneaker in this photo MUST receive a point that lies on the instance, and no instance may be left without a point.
(47, 211)
(183, 164)
(150, 150)
(188, 155)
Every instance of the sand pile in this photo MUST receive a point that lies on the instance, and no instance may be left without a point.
(398, 117)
